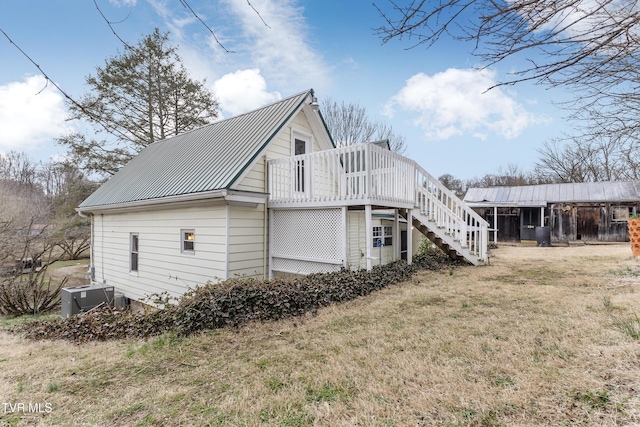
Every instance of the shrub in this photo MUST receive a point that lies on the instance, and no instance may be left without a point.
(232, 303)
(29, 293)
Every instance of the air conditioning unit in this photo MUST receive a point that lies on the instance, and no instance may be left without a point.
(79, 299)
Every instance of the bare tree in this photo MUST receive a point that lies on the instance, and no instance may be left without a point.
(25, 250)
(583, 159)
(66, 186)
(509, 176)
(350, 124)
(568, 41)
(452, 183)
(591, 46)
(38, 208)
(24, 216)
(17, 166)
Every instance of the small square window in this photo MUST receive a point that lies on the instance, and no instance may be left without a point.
(382, 236)
(188, 241)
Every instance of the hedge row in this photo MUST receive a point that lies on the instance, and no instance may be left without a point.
(232, 303)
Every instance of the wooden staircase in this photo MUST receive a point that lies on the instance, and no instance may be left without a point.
(368, 175)
(448, 222)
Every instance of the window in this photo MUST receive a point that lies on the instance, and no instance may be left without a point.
(621, 213)
(300, 144)
(188, 241)
(133, 249)
(299, 147)
(382, 236)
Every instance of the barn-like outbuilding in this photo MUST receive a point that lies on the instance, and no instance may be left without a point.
(566, 212)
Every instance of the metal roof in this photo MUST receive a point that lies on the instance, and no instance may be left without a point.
(541, 195)
(209, 158)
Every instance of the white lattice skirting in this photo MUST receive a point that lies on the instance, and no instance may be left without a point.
(305, 241)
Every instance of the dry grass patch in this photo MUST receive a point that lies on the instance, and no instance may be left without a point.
(533, 339)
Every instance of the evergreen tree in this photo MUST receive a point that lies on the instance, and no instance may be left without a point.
(139, 97)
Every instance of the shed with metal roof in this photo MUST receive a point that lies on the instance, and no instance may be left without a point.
(586, 211)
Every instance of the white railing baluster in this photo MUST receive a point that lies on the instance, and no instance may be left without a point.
(365, 171)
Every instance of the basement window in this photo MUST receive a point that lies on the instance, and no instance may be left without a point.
(188, 244)
(382, 236)
(621, 213)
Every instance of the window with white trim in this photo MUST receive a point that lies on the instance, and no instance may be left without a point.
(382, 236)
(300, 144)
(133, 252)
(188, 241)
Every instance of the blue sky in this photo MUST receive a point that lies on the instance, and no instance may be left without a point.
(433, 97)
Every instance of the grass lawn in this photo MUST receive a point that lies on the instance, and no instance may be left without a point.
(61, 264)
(541, 337)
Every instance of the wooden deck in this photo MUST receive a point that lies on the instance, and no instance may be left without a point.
(367, 175)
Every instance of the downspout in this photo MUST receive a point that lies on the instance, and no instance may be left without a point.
(102, 247)
(227, 213)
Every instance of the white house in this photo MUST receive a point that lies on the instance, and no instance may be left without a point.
(262, 193)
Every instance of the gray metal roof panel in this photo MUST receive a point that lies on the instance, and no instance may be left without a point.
(606, 191)
(204, 159)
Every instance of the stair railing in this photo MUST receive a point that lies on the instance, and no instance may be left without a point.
(450, 214)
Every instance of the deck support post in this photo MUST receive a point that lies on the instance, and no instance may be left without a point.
(495, 225)
(368, 234)
(345, 241)
(397, 235)
(270, 242)
(409, 236)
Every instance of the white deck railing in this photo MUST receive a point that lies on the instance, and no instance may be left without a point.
(352, 173)
(442, 207)
(364, 173)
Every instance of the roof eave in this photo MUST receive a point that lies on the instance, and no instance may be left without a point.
(486, 204)
(222, 196)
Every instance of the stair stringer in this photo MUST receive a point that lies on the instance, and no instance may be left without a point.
(443, 240)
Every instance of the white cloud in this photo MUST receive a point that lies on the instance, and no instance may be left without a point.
(582, 20)
(30, 115)
(455, 102)
(282, 50)
(242, 91)
(120, 3)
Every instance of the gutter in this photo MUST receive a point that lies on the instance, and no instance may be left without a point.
(221, 196)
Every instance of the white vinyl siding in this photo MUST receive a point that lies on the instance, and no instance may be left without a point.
(161, 264)
(278, 148)
(357, 241)
(254, 180)
(247, 242)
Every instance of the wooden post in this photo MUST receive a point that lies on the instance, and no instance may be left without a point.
(345, 231)
(270, 243)
(368, 234)
(495, 225)
(409, 236)
(397, 233)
